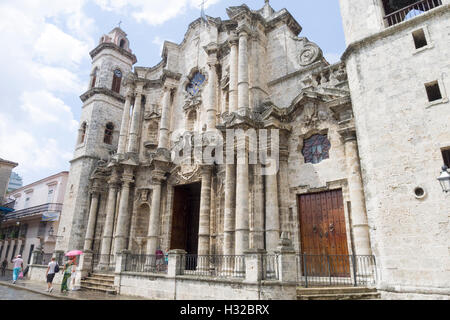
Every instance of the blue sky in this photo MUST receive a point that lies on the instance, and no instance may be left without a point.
(47, 64)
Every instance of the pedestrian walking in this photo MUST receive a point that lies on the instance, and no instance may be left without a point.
(67, 271)
(17, 267)
(52, 269)
(4, 265)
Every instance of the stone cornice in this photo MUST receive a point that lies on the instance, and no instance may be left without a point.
(90, 93)
(112, 46)
(354, 46)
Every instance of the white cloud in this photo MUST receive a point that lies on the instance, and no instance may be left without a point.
(44, 108)
(153, 12)
(57, 47)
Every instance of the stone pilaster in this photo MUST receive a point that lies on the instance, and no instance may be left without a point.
(243, 76)
(234, 41)
(164, 129)
(155, 213)
(242, 207)
(229, 212)
(257, 233)
(205, 213)
(109, 221)
(272, 213)
(125, 123)
(135, 121)
(211, 108)
(360, 225)
(95, 192)
(124, 214)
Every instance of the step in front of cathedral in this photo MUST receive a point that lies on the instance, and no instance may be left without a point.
(99, 283)
(337, 293)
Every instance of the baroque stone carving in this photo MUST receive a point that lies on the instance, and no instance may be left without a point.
(309, 54)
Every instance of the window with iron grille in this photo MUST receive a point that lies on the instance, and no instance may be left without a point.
(31, 252)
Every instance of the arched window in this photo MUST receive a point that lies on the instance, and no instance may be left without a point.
(117, 79)
(109, 131)
(316, 149)
(122, 43)
(83, 129)
(94, 78)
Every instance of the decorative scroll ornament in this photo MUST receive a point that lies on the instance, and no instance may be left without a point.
(188, 170)
(309, 54)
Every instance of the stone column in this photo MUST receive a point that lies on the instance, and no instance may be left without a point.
(229, 212)
(135, 122)
(243, 84)
(360, 225)
(257, 234)
(90, 232)
(205, 213)
(108, 228)
(211, 105)
(233, 100)
(124, 214)
(242, 206)
(164, 129)
(125, 123)
(272, 213)
(155, 212)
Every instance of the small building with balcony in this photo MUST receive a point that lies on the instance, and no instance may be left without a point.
(32, 219)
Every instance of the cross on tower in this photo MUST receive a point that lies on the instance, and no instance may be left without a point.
(120, 23)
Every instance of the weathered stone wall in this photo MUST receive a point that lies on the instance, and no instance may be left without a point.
(400, 139)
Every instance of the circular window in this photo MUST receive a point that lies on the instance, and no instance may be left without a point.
(419, 193)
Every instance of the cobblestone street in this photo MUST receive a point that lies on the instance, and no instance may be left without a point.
(8, 293)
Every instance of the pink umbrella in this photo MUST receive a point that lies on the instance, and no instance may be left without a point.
(74, 253)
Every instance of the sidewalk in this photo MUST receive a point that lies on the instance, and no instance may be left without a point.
(39, 288)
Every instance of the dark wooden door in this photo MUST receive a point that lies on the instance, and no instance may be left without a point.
(185, 221)
(323, 233)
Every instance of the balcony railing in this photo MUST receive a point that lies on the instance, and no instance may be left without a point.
(411, 11)
(49, 207)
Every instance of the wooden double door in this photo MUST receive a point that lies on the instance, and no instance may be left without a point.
(323, 234)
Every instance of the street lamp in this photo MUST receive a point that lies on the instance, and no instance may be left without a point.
(444, 179)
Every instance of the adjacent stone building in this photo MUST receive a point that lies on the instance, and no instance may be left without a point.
(351, 153)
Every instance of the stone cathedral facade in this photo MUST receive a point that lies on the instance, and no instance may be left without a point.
(251, 72)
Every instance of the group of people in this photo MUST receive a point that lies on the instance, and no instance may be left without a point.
(53, 268)
(68, 272)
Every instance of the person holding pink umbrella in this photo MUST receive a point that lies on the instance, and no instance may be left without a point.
(68, 270)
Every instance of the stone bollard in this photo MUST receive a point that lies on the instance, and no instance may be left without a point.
(177, 263)
(254, 265)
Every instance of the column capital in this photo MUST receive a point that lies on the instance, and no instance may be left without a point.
(95, 188)
(158, 177)
(233, 40)
(348, 134)
(244, 31)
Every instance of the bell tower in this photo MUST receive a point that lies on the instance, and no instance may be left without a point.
(398, 72)
(98, 134)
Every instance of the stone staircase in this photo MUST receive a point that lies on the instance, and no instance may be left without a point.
(338, 293)
(100, 283)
